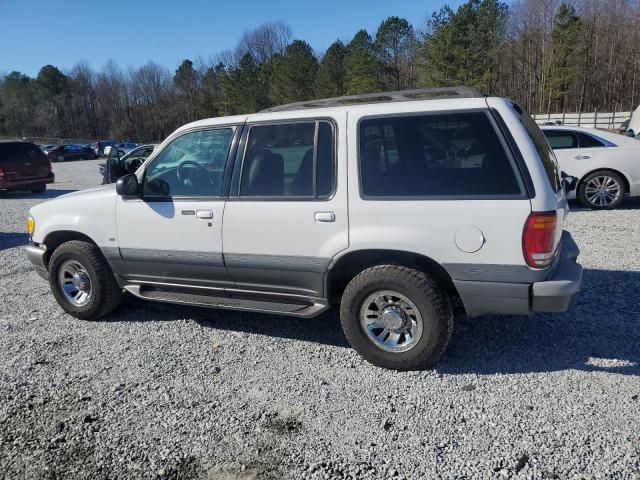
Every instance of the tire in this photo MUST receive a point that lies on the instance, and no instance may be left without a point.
(104, 293)
(613, 184)
(39, 189)
(434, 313)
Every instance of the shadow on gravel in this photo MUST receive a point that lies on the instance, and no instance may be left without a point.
(600, 332)
(324, 329)
(631, 203)
(12, 239)
(48, 194)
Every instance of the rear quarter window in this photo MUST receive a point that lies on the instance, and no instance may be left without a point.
(545, 152)
(446, 155)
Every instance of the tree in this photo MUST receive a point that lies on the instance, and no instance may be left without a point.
(395, 45)
(293, 74)
(263, 42)
(245, 88)
(186, 79)
(361, 65)
(331, 76)
(566, 63)
(463, 47)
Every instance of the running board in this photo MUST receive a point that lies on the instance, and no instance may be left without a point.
(306, 310)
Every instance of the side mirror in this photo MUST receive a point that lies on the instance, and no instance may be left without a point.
(569, 183)
(128, 185)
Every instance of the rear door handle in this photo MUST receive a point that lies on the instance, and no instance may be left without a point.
(582, 157)
(204, 214)
(324, 217)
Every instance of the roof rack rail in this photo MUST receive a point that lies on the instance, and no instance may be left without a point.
(382, 97)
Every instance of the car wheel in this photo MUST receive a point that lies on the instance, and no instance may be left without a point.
(60, 158)
(602, 190)
(39, 189)
(396, 317)
(82, 281)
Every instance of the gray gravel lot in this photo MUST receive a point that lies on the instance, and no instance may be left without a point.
(167, 392)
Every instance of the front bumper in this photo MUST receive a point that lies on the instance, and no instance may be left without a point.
(35, 254)
(551, 292)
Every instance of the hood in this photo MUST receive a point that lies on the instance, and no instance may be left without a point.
(69, 201)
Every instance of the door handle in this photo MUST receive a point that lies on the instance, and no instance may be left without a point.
(324, 217)
(204, 214)
(582, 157)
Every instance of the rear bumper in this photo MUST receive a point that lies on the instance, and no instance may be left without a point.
(6, 184)
(35, 254)
(552, 294)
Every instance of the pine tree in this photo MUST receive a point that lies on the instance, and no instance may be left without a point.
(395, 45)
(361, 65)
(462, 47)
(567, 57)
(331, 77)
(293, 73)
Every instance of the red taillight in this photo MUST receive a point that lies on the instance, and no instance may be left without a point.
(1, 172)
(538, 238)
(50, 166)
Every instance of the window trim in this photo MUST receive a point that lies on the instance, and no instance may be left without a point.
(236, 179)
(224, 189)
(523, 195)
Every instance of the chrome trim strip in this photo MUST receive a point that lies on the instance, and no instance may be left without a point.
(277, 262)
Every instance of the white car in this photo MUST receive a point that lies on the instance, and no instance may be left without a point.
(634, 124)
(606, 164)
(385, 206)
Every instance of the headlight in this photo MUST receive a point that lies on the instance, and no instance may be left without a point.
(30, 225)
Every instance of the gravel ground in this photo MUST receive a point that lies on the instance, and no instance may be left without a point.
(157, 391)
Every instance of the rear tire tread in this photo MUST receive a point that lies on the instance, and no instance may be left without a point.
(430, 292)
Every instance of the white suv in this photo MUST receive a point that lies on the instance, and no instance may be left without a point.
(390, 206)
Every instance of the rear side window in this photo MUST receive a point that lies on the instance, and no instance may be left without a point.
(561, 139)
(587, 141)
(457, 154)
(545, 152)
(293, 160)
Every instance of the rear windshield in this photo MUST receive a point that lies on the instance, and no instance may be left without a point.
(542, 146)
(20, 151)
(449, 154)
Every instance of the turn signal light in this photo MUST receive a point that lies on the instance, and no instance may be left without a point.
(538, 238)
(30, 225)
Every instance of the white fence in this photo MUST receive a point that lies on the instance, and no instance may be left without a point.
(603, 120)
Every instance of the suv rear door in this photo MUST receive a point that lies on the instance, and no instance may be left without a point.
(287, 216)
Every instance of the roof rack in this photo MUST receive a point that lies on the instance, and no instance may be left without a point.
(382, 97)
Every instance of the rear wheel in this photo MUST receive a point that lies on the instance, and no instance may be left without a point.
(39, 189)
(82, 281)
(396, 317)
(602, 190)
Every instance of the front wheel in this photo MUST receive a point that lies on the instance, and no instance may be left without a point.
(602, 190)
(396, 317)
(82, 281)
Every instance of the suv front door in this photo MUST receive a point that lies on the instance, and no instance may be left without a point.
(287, 216)
(172, 232)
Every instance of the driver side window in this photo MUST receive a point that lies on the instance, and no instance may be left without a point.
(190, 166)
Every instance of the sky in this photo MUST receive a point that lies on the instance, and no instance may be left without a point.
(34, 33)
